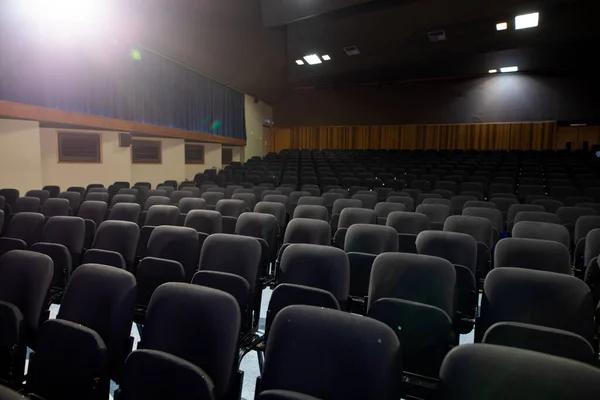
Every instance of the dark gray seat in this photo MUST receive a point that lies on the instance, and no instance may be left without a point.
(55, 207)
(544, 255)
(115, 244)
(408, 225)
(542, 231)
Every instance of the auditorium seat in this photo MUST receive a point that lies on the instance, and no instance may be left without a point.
(74, 199)
(43, 195)
(27, 204)
(542, 231)
(350, 216)
(125, 212)
(115, 244)
(531, 253)
(23, 230)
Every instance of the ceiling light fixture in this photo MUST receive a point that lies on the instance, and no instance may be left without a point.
(325, 57)
(501, 26)
(527, 21)
(493, 71)
(312, 59)
(299, 62)
(509, 69)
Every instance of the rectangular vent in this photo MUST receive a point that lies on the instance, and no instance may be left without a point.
(79, 147)
(437, 36)
(226, 156)
(194, 153)
(146, 152)
(352, 50)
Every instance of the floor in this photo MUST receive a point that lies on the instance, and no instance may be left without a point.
(249, 364)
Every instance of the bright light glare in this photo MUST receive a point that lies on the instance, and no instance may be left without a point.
(493, 71)
(312, 59)
(299, 62)
(527, 21)
(65, 19)
(502, 26)
(326, 57)
(509, 69)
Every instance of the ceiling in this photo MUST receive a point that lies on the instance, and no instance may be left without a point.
(394, 45)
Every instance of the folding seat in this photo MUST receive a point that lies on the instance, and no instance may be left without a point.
(471, 372)
(350, 216)
(329, 199)
(396, 184)
(265, 228)
(368, 200)
(414, 193)
(424, 196)
(498, 188)
(43, 195)
(363, 243)
(525, 191)
(171, 182)
(314, 191)
(156, 193)
(472, 187)
(311, 200)
(330, 336)
(230, 189)
(383, 210)
(145, 184)
(593, 206)
(436, 213)
(212, 198)
(167, 188)
(94, 186)
(230, 210)
(446, 185)
(278, 210)
(593, 192)
(270, 192)
(93, 214)
(458, 203)
(55, 207)
(423, 186)
(89, 338)
(310, 231)
(444, 202)
(25, 279)
(310, 275)
(214, 189)
(583, 226)
(355, 189)
(26, 204)
(572, 201)
(150, 202)
(504, 205)
(382, 193)
(569, 216)
(338, 206)
(248, 198)
(285, 190)
(52, 190)
(156, 215)
(115, 245)
(531, 198)
(62, 240)
(562, 192)
(536, 216)
(405, 285)
(74, 199)
(311, 212)
(534, 253)
(133, 192)
(97, 196)
(541, 298)
(177, 195)
(461, 250)
(173, 254)
(482, 231)
(446, 194)
(408, 202)
(11, 196)
(551, 206)
(125, 212)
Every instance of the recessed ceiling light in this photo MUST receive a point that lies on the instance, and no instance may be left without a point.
(312, 59)
(501, 26)
(493, 71)
(527, 20)
(299, 62)
(509, 69)
(326, 57)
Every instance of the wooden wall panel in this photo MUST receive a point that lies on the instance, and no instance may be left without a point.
(577, 135)
(509, 136)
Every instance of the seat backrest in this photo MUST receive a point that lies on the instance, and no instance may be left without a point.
(248, 198)
(592, 246)
(25, 279)
(532, 253)
(413, 277)
(162, 215)
(74, 199)
(122, 198)
(543, 298)
(212, 198)
(43, 195)
(180, 194)
(408, 222)
(549, 205)
(492, 215)
(278, 210)
(302, 334)
(536, 216)
(407, 201)
(471, 372)
(68, 231)
(177, 244)
(119, 236)
(26, 226)
(26, 204)
(458, 248)
(188, 204)
(233, 254)
(384, 209)
(97, 196)
(371, 239)
(322, 267)
(125, 212)
(584, 225)
(479, 228)
(480, 204)
(311, 211)
(156, 201)
(340, 204)
(93, 210)
(517, 208)
(230, 207)
(435, 212)
(157, 192)
(258, 225)
(368, 200)
(176, 323)
(311, 231)
(10, 195)
(570, 215)
(350, 216)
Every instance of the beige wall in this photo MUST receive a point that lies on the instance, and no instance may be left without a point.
(212, 159)
(115, 166)
(20, 161)
(236, 152)
(172, 166)
(255, 114)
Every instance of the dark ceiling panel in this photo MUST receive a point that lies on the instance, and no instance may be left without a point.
(282, 12)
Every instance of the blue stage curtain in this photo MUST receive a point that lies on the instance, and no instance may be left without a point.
(112, 83)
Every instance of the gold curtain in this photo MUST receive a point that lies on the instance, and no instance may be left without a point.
(500, 136)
